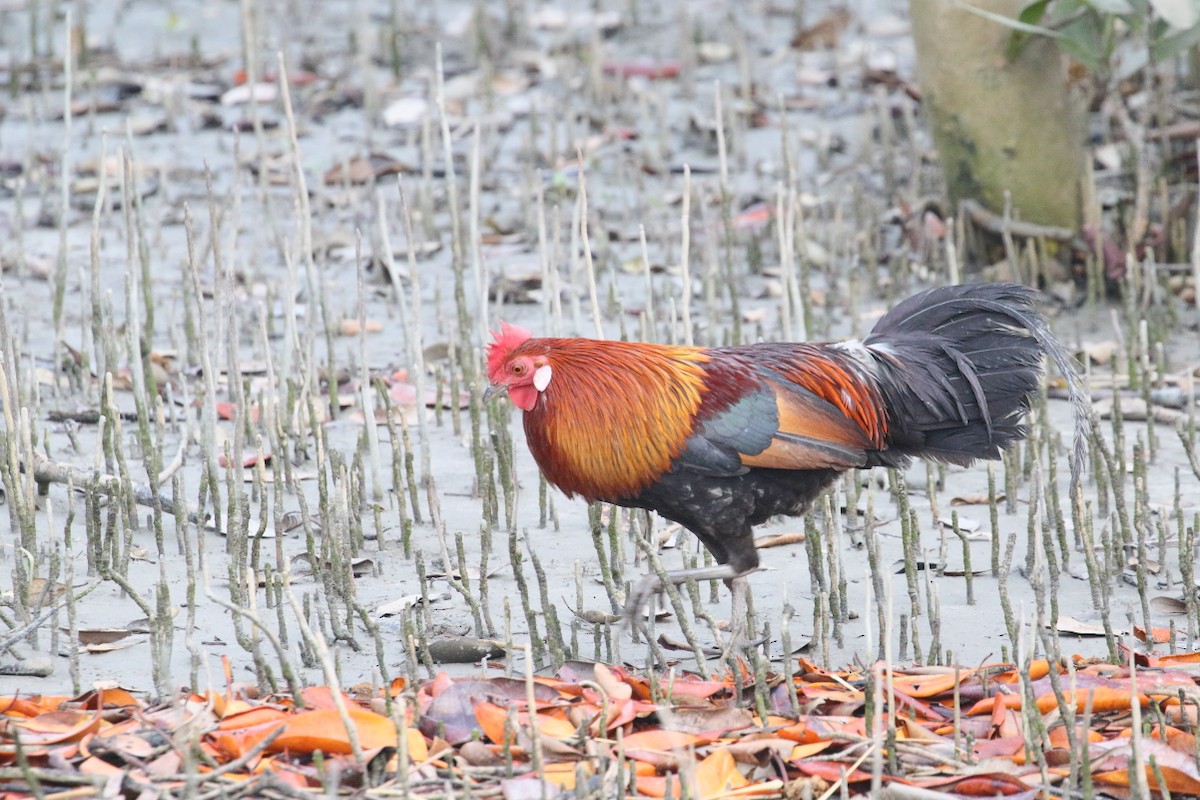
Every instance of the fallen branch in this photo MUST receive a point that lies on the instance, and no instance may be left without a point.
(779, 539)
(46, 471)
(86, 416)
(997, 224)
(54, 776)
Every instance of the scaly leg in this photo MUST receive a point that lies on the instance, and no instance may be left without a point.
(651, 584)
(739, 589)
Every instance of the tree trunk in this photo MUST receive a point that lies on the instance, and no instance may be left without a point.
(999, 125)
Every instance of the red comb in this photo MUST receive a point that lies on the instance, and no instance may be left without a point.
(507, 339)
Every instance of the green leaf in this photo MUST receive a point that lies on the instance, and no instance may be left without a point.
(1032, 14)
(1177, 43)
(1083, 40)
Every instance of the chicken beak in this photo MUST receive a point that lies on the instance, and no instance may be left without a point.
(493, 391)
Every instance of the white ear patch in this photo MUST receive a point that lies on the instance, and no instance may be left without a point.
(541, 377)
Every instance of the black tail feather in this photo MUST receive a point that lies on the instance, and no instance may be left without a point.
(959, 367)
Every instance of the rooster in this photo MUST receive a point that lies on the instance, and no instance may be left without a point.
(721, 439)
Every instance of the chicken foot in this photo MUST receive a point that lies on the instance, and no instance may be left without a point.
(651, 584)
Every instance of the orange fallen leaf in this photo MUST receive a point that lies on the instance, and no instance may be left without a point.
(1173, 659)
(563, 774)
(440, 683)
(1058, 736)
(662, 740)
(611, 683)
(110, 697)
(1103, 698)
(317, 697)
(1175, 738)
(656, 785)
(831, 694)
(57, 726)
(1155, 635)
(818, 728)
(256, 715)
(23, 706)
(1178, 770)
(718, 775)
(806, 750)
(237, 743)
(323, 730)
(1006, 723)
(928, 685)
(714, 777)
(231, 708)
(988, 704)
(625, 712)
(993, 784)
(493, 721)
(418, 748)
(551, 724)
(1181, 740)
(699, 689)
(661, 748)
(1038, 668)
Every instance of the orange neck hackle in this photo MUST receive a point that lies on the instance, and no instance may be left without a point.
(615, 415)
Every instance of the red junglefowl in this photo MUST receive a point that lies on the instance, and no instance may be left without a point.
(721, 439)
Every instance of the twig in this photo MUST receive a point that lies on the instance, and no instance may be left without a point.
(58, 776)
(995, 223)
(20, 633)
(285, 666)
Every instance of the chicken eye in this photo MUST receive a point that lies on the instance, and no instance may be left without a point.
(518, 369)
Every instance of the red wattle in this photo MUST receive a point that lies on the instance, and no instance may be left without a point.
(524, 397)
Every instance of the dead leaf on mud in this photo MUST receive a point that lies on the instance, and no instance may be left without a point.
(1075, 627)
(975, 499)
(95, 636)
(110, 647)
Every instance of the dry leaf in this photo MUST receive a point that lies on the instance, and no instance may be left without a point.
(1075, 627)
(613, 686)
(1099, 353)
(1168, 605)
(975, 499)
(102, 635)
(109, 647)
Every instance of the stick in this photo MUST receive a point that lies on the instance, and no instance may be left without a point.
(47, 471)
(995, 223)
